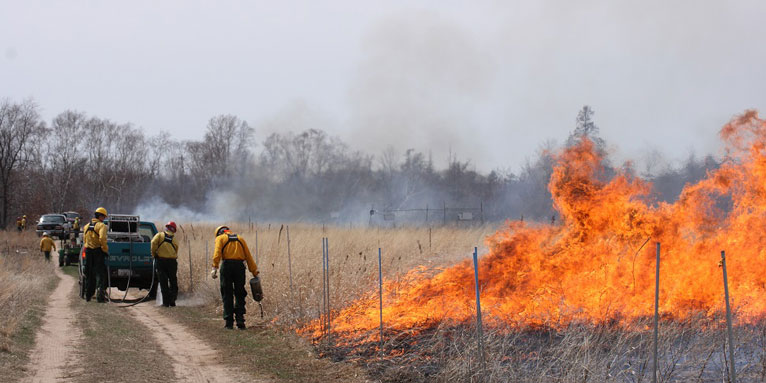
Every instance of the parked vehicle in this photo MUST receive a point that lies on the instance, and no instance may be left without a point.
(70, 251)
(55, 224)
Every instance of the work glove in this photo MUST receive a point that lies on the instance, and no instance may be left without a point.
(214, 273)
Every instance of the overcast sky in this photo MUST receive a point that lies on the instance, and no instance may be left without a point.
(489, 81)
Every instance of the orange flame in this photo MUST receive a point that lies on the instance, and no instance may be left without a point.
(588, 268)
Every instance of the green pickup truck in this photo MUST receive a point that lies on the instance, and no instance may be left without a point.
(130, 258)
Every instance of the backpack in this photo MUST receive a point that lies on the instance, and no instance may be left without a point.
(232, 238)
(168, 239)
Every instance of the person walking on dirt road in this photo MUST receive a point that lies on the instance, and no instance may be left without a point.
(234, 252)
(96, 253)
(165, 252)
(18, 224)
(23, 222)
(47, 245)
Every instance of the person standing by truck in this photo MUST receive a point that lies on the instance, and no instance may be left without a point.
(96, 253)
(231, 252)
(47, 245)
(76, 227)
(165, 253)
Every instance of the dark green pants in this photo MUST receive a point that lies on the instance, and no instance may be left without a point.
(95, 273)
(167, 270)
(233, 287)
(47, 255)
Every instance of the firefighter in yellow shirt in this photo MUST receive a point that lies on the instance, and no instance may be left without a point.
(47, 245)
(96, 253)
(23, 222)
(231, 252)
(76, 227)
(165, 252)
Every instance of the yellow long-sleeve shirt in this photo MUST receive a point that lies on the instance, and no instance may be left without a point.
(47, 244)
(93, 239)
(165, 245)
(236, 249)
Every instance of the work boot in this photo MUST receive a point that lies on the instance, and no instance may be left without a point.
(241, 325)
(229, 325)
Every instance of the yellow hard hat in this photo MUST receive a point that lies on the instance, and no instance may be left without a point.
(219, 230)
(101, 210)
(25, 216)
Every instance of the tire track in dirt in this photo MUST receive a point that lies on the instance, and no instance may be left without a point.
(194, 360)
(56, 341)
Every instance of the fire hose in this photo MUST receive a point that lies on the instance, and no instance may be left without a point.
(127, 286)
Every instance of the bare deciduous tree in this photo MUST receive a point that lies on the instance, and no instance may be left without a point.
(19, 123)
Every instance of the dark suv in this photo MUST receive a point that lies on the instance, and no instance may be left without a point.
(56, 225)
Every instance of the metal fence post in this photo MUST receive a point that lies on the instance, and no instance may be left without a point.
(323, 314)
(656, 314)
(479, 332)
(380, 295)
(289, 263)
(329, 311)
(728, 319)
(191, 275)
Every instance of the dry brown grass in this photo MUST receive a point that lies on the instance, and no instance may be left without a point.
(353, 261)
(25, 282)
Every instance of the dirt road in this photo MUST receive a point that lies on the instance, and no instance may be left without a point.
(193, 359)
(56, 341)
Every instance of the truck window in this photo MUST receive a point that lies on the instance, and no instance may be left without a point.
(122, 227)
(147, 232)
(53, 219)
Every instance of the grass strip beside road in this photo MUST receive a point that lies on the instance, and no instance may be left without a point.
(117, 348)
(264, 350)
(27, 307)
